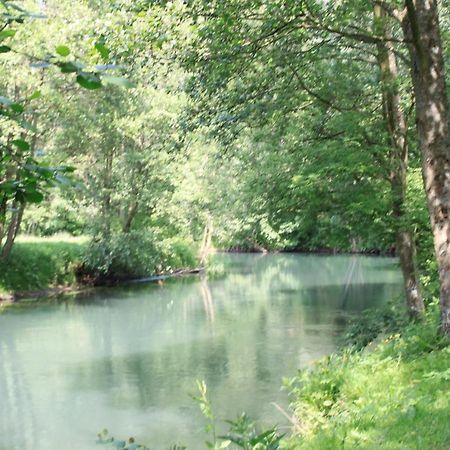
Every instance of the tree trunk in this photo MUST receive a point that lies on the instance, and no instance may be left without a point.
(107, 189)
(421, 30)
(130, 215)
(3, 204)
(396, 126)
(206, 242)
(13, 229)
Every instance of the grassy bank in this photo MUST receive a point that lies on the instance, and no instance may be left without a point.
(393, 394)
(38, 264)
(41, 263)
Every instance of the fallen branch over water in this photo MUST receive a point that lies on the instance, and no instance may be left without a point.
(79, 288)
(177, 273)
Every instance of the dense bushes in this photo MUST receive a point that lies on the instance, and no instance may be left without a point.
(41, 263)
(133, 255)
(387, 319)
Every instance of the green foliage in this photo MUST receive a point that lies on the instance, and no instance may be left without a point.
(243, 432)
(312, 168)
(63, 50)
(37, 264)
(285, 203)
(207, 412)
(130, 444)
(24, 177)
(385, 320)
(315, 392)
(392, 395)
(425, 247)
(265, 168)
(89, 80)
(58, 214)
(133, 255)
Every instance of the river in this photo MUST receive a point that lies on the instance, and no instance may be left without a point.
(127, 359)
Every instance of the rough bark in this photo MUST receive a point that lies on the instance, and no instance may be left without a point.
(422, 31)
(396, 127)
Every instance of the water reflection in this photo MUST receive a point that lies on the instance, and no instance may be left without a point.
(128, 358)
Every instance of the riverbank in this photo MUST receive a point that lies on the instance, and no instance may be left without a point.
(311, 251)
(40, 266)
(392, 394)
(48, 266)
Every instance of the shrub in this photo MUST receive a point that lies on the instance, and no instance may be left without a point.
(133, 255)
(387, 319)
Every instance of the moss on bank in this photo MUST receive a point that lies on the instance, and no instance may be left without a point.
(392, 395)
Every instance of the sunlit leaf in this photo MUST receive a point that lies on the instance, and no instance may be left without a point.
(35, 95)
(7, 33)
(103, 50)
(21, 144)
(63, 50)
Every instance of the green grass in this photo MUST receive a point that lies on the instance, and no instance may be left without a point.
(41, 263)
(394, 395)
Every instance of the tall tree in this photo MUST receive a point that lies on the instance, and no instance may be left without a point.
(422, 32)
(394, 119)
(283, 44)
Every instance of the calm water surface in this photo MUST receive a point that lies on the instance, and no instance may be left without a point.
(127, 358)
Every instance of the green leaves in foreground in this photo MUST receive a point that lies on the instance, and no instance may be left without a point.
(89, 80)
(62, 50)
(104, 438)
(32, 179)
(243, 432)
(103, 50)
(4, 34)
(21, 144)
